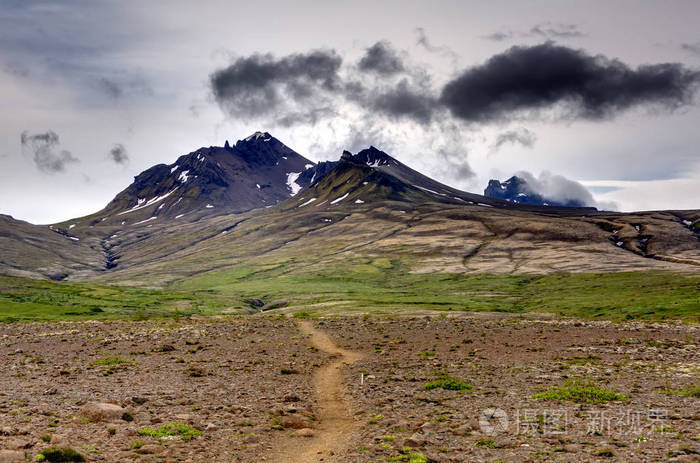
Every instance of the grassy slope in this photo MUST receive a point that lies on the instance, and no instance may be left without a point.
(23, 299)
(377, 286)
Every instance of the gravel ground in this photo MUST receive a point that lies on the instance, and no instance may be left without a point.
(244, 385)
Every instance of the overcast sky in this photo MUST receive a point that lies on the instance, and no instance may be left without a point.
(599, 93)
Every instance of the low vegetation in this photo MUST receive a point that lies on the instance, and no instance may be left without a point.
(113, 361)
(410, 456)
(448, 383)
(689, 391)
(581, 391)
(58, 455)
(180, 430)
(485, 443)
(616, 296)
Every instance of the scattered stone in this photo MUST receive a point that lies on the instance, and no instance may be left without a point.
(305, 432)
(416, 440)
(296, 422)
(98, 412)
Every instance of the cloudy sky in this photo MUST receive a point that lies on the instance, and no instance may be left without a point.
(600, 94)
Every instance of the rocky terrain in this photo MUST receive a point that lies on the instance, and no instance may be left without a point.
(263, 389)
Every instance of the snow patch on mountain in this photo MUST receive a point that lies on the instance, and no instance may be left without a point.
(308, 202)
(337, 200)
(292, 184)
(142, 203)
(147, 220)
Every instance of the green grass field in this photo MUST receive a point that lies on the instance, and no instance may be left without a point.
(375, 287)
(23, 299)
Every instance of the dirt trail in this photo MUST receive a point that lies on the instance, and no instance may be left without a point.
(336, 425)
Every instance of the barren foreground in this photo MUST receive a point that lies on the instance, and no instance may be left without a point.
(351, 389)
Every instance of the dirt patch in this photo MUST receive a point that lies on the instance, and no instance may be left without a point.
(337, 429)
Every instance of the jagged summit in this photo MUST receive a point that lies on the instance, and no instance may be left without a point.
(258, 136)
(375, 158)
(263, 148)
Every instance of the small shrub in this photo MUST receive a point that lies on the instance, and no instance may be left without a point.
(409, 456)
(449, 383)
(287, 371)
(46, 438)
(690, 391)
(664, 428)
(582, 392)
(112, 361)
(172, 430)
(58, 455)
(485, 443)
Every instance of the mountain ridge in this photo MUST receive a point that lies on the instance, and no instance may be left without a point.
(270, 203)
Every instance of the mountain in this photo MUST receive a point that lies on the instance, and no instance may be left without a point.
(259, 208)
(517, 190)
(258, 171)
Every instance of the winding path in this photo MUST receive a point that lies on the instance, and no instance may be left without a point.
(336, 425)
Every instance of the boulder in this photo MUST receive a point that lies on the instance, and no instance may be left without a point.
(98, 412)
(305, 432)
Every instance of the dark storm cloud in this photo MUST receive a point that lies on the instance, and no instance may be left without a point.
(524, 80)
(260, 85)
(545, 80)
(381, 58)
(307, 88)
(522, 136)
(404, 101)
(118, 154)
(47, 155)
